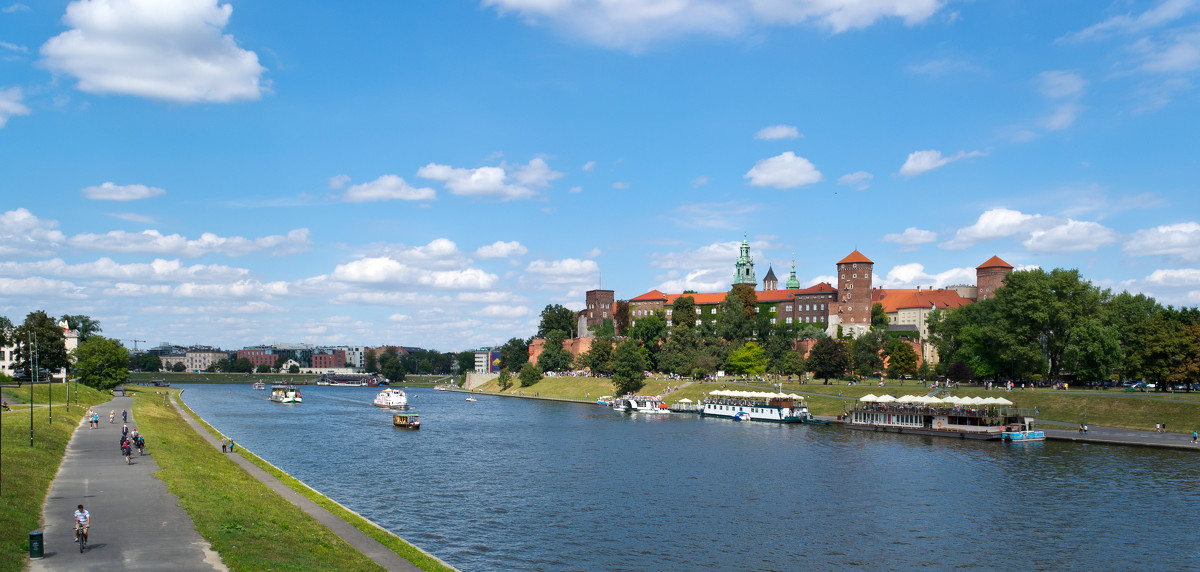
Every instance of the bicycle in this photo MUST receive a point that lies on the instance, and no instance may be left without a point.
(81, 539)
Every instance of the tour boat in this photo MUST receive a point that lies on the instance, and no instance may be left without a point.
(472, 399)
(285, 394)
(351, 380)
(640, 404)
(391, 398)
(1023, 436)
(407, 420)
(754, 406)
(260, 385)
(965, 418)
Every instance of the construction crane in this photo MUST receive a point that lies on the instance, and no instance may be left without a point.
(135, 343)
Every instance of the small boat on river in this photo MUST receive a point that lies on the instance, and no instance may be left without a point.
(260, 385)
(754, 406)
(640, 404)
(1027, 436)
(407, 420)
(285, 394)
(391, 398)
(472, 399)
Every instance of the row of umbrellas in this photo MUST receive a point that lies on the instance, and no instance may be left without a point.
(754, 394)
(927, 400)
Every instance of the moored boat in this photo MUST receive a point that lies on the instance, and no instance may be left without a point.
(640, 404)
(351, 380)
(407, 420)
(1023, 436)
(965, 418)
(754, 406)
(260, 385)
(391, 398)
(285, 394)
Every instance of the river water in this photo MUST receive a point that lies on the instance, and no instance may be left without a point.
(515, 484)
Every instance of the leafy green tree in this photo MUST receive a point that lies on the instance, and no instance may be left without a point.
(370, 361)
(41, 331)
(101, 362)
(777, 341)
(924, 372)
(293, 369)
(734, 325)
(178, 367)
(1159, 342)
(243, 365)
(145, 362)
(649, 330)
(902, 360)
(879, 318)
(827, 359)
(514, 353)
(554, 357)
(603, 329)
(599, 358)
(263, 368)
(504, 380)
(621, 317)
(391, 367)
(793, 364)
(748, 359)
(679, 349)
(557, 317)
(530, 374)
(85, 325)
(6, 331)
(683, 312)
(959, 371)
(629, 368)
(279, 361)
(866, 350)
(810, 332)
(465, 360)
(748, 296)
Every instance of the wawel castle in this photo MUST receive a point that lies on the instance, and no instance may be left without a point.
(848, 305)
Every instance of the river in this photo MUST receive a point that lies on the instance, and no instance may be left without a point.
(506, 484)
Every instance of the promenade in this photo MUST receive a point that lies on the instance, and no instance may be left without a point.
(136, 523)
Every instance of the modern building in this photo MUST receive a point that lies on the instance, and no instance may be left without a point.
(8, 354)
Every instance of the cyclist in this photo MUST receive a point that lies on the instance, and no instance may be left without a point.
(124, 416)
(83, 520)
(126, 449)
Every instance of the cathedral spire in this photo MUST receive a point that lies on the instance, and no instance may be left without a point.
(792, 282)
(743, 272)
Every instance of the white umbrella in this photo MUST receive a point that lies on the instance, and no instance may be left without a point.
(906, 398)
(685, 400)
(885, 399)
(1003, 401)
(988, 401)
(868, 398)
(953, 399)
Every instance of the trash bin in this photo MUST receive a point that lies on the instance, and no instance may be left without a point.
(36, 548)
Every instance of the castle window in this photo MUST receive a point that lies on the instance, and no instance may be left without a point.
(855, 275)
(855, 265)
(772, 309)
(772, 320)
(668, 311)
(789, 319)
(787, 308)
(714, 310)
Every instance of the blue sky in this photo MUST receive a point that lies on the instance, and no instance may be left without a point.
(434, 173)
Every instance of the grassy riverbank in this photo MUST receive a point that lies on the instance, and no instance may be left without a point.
(250, 526)
(28, 471)
(393, 542)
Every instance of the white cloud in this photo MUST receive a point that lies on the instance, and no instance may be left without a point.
(1063, 117)
(36, 286)
(911, 238)
(778, 132)
(709, 256)
(154, 242)
(500, 249)
(620, 185)
(105, 268)
(993, 224)
(589, 166)
(941, 67)
(134, 217)
(1186, 277)
(339, 181)
(10, 104)
(171, 51)
(714, 215)
(914, 274)
(388, 271)
(113, 192)
(575, 189)
(15, 7)
(565, 271)
(706, 280)
(23, 234)
(238, 289)
(1070, 236)
(632, 24)
(594, 252)
(440, 253)
(385, 188)
(1177, 52)
(858, 180)
(1057, 84)
(1180, 241)
(699, 182)
(1166, 12)
(922, 161)
(503, 311)
(504, 182)
(783, 171)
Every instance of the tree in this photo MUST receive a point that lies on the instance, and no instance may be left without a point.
(629, 368)
(621, 317)
(391, 367)
(6, 331)
(733, 323)
(902, 360)
(649, 330)
(749, 298)
(530, 374)
(145, 362)
(504, 380)
(683, 312)
(777, 343)
(41, 331)
(599, 358)
(178, 367)
(793, 364)
(827, 359)
(370, 361)
(879, 318)
(924, 372)
(293, 369)
(279, 361)
(101, 362)
(865, 352)
(263, 368)
(84, 325)
(514, 353)
(556, 317)
(465, 360)
(554, 357)
(243, 365)
(959, 371)
(748, 359)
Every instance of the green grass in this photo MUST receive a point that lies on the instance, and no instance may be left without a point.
(393, 542)
(250, 526)
(28, 471)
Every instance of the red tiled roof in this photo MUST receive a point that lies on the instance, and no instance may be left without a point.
(651, 295)
(994, 262)
(855, 256)
(895, 299)
(705, 298)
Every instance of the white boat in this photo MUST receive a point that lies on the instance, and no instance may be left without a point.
(472, 399)
(944, 417)
(285, 394)
(391, 398)
(754, 406)
(260, 385)
(640, 404)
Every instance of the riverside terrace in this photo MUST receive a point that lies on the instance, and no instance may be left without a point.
(967, 421)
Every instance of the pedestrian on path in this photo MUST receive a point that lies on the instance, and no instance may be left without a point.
(1194, 435)
(231, 445)
(1085, 429)
(224, 445)
(1157, 428)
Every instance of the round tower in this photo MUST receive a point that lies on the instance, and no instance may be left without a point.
(989, 276)
(854, 289)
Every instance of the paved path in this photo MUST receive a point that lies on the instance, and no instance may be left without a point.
(1115, 436)
(136, 523)
(381, 554)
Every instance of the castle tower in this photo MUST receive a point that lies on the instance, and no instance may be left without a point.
(990, 275)
(769, 281)
(793, 283)
(599, 308)
(854, 290)
(743, 272)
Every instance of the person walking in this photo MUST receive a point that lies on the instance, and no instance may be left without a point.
(1085, 429)
(111, 414)
(224, 445)
(231, 445)
(1194, 436)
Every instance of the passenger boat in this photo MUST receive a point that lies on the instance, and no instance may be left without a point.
(260, 385)
(965, 418)
(640, 404)
(754, 406)
(1023, 436)
(351, 380)
(407, 420)
(472, 399)
(285, 394)
(391, 398)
